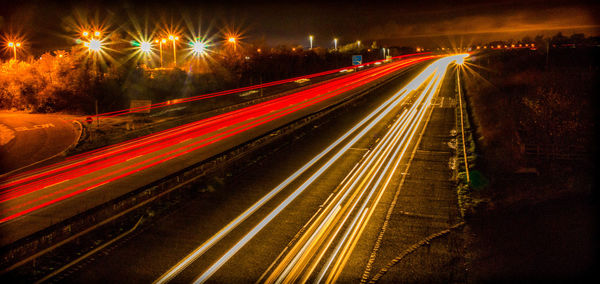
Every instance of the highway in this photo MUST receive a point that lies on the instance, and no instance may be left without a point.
(39, 198)
(327, 240)
(330, 237)
(298, 220)
(301, 216)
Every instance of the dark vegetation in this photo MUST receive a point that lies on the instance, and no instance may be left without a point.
(63, 81)
(533, 111)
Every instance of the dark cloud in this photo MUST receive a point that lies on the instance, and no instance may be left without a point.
(390, 22)
(488, 25)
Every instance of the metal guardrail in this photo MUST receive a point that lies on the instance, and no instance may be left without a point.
(462, 124)
(90, 253)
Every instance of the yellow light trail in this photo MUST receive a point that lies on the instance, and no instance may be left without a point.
(371, 120)
(346, 189)
(301, 260)
(327, 224)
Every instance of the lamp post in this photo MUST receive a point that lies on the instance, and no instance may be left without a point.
(174, 38)
(335, 43)
(160, 42)
(14, 45)
(310, 38)
(232, 40)
(358, 44)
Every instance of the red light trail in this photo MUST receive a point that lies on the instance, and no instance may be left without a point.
(243, 89)
(40, 188)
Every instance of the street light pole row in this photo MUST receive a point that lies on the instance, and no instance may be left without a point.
(160, 42)
(335, 42)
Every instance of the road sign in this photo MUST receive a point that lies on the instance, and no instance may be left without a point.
(356, 59)
(89, 120)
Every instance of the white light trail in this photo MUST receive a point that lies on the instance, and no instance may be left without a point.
(356, 132)
(181, 265)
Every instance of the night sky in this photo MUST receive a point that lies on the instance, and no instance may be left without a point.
(47, 25)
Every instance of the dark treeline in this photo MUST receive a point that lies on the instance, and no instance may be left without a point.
(542, 97)
(67, 82)
(539, 41)
(534, 111)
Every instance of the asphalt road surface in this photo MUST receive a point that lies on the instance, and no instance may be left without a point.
(300, 215)
(29, 138)
(37, 199)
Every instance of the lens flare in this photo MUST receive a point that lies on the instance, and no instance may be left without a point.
(146, 47)
(198, 48)
(95, 45)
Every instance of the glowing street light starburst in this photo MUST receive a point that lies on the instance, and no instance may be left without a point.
(233, 36)
(13, 44)
(92, 35)
(198, 48)
(146, 47)
(95, 45)
(200, 42)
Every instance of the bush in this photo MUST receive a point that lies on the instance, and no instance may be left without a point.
(52, 83)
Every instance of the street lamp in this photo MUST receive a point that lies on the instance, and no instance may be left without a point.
(93, 45)
(160, 42)
(310, 38)
(198, 48)
(145, 50)
(145, 47)
(233, 40)
(86, 34)
(174, 38)
(14, 45)
(358, 43)
(335, 43)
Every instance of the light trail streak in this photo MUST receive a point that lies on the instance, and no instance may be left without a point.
(345, 190)
(389, 106)
(357, 226)
(356, 231)
(191, 99)
(144, 141)
(243, 89)
(247, 118)
(338, 198)
(228, 228)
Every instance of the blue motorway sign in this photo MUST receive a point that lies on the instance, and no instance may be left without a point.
(356, 59)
